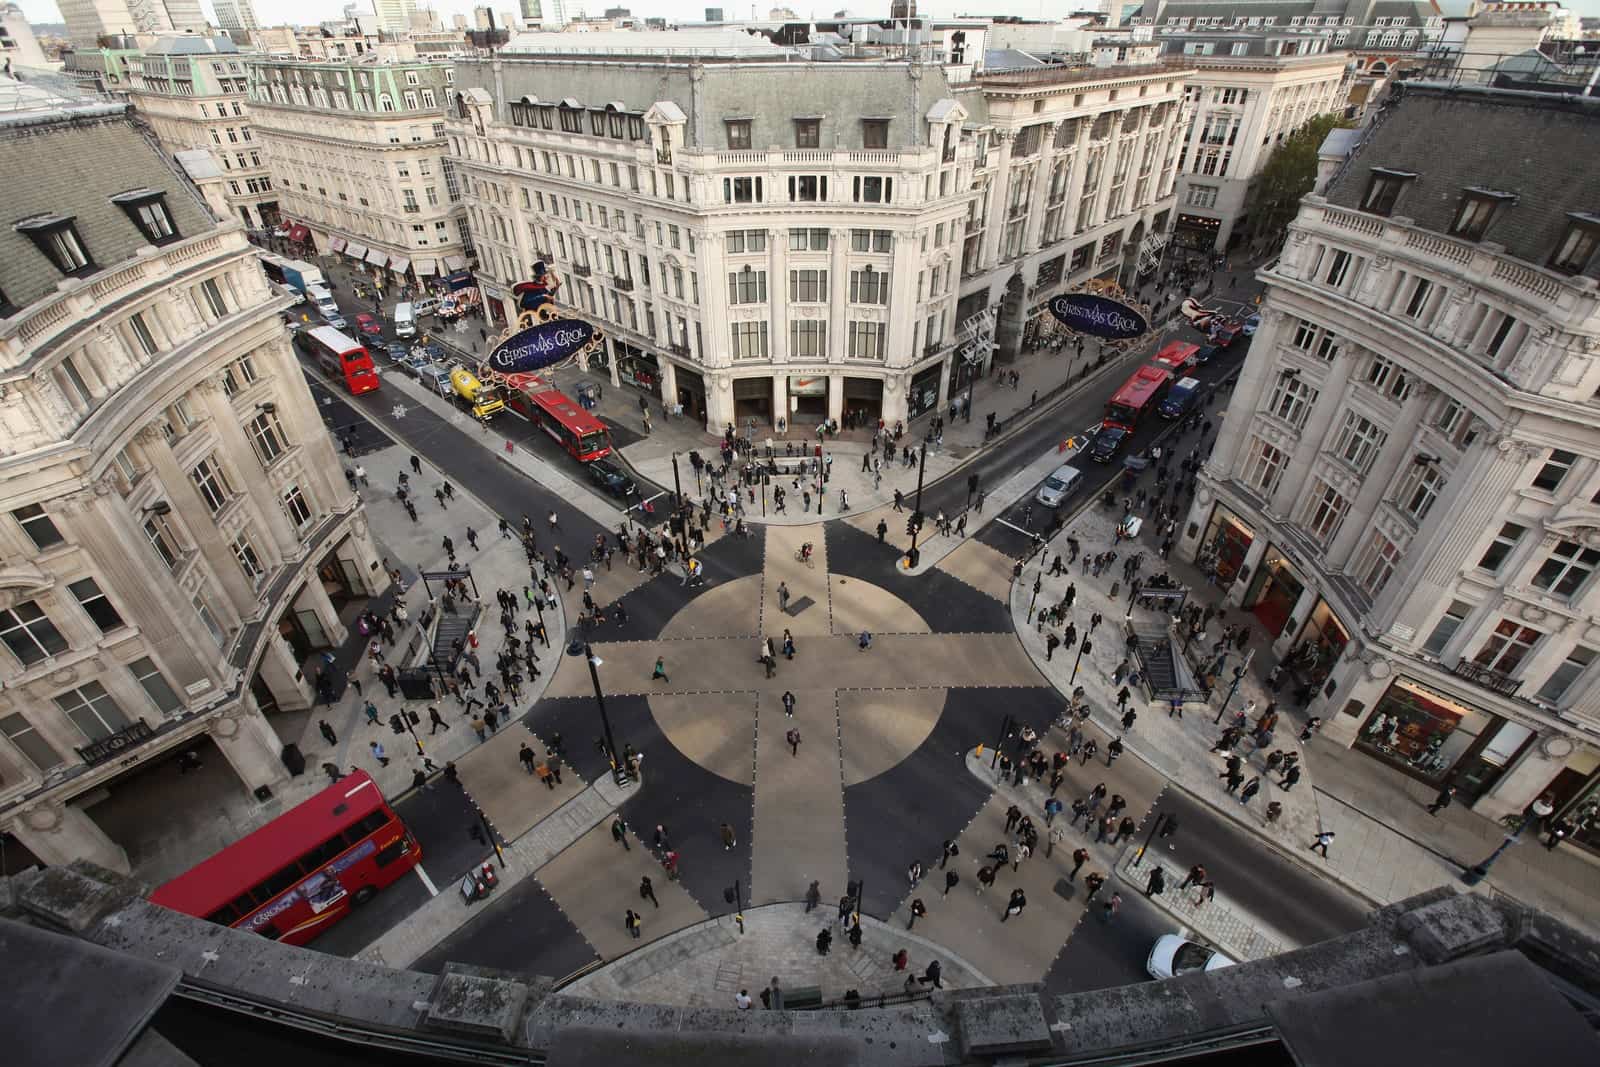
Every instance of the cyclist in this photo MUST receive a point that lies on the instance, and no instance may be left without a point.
(805, 552)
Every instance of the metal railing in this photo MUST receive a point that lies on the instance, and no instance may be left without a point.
(1494, 681)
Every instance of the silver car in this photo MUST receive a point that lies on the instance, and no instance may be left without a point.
(1056, 488)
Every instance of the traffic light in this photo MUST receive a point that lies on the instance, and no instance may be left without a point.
(1087, 647)
(972, 483)
(396, 725)
(911, 527)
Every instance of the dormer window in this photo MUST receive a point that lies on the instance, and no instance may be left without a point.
(57, 238)
(738, 134)
(148, 210)
(1477, 211)
(1578, 244)
(1385, 189)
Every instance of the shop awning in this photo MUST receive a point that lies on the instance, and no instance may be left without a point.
(355, 251)
(377, 257)
(299, 233)
(399, 264)
(336, 245)
(425, 268)
(454, 263)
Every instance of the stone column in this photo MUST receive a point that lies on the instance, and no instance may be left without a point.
(283, 676)
(944, 385)
(780, 398)
(249, 744)
(778, 295)
(839, 287)
(315, 599)
(669, 382)
(1297, 617)
(1075, 181)
(1041, 184)
(374, 579)
(994, 227)
(180, 493)
(836, 397)
(1248, 395)
(1252, 559)
(1330, 389)
(60, 833)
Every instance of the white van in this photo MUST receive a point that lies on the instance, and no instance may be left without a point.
(1056, 488)
(322, 299)
(405, 321)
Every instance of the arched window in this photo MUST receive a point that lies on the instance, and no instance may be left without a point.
(385, 102)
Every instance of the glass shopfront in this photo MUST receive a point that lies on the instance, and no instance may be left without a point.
(1224, 546)
(637, 367)
(1321, 642)
(1274, 591)
(1577, 799)
(691, 392)
(924, 396)
(1433, 737)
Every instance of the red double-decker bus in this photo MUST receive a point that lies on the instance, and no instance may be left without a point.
(303, 871)
(1139, 396)
(580, 434)
(1176, 357)
(341, 358)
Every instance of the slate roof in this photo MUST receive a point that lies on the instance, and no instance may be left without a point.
(1538, 146)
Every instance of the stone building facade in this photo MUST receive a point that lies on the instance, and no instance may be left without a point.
(357, 154)
(1406, 491)
(175, 536)
(754, 253)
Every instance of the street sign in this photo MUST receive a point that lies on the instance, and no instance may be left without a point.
(1098, 316)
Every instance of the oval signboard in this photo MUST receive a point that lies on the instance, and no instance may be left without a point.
(1097, 316)
(541, 345)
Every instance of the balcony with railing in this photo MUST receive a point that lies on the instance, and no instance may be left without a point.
(130, 736)
(1492, 680)
(678, 349)
(582, 270)
(623, 284)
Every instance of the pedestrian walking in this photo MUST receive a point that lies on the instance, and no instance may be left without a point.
(914, 873)
(729, 839)
(1196, 875)
(1156, 884)
(1094, 881)
(1015, 904)
(1290, 777)
(1442, 801)
(416, 465)
(919, 910)
(855, 936)
(435, 721)
(660, 671)
(631, 922)
(931, 975)
(813, 895)
(788, 703)
(1322, 842)
(1114, 749)
(619, 833)
(525, 754)
(951, 880)
(1080, 856)
(793, 739)
(378, 753)
(327, 732)
(1111, 908)
(950, 850)
(1251, 788)
(647, 891)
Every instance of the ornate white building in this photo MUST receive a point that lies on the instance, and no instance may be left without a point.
(1406, 489)
(174, 529)
(756, 250)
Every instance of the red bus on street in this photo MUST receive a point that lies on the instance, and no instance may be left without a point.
(580, 434)
(301, 873)
(340, 358)
(1138, 396)
(1175, 357)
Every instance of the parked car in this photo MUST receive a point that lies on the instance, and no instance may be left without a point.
(424, 305)
(437, 378)
(611, 478)
(335, 320)
(1056, 488)
(369, 325)
(1206, 354)
(397, 352)
(1173, 956)
(1107, 443)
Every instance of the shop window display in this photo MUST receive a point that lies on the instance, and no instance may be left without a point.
(1420, 731)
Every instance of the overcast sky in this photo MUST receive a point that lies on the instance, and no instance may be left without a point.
(308, 12)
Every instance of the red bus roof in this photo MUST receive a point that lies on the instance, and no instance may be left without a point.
(215, 881)
(567, 412)
(333, 340)
(1138, 390)
(1174, 355)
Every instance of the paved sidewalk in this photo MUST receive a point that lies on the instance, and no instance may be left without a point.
(1386, 847)
(1236, 933)
(446, 913)
(706, 965)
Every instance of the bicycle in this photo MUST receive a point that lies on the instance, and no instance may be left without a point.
(808, 558)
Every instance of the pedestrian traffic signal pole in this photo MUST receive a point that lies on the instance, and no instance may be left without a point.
(1138, 857)
(916, 508)
(1005, 731)
(1238, 676)
(1084, 647)
(617, 771)
(735, 896)
(494, 839)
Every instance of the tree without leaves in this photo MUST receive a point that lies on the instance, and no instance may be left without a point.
(1289, 174)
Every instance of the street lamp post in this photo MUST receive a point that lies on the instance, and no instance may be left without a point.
(1138, 857)
(916, 508)
(1133, 594)
(1005, 731)
(618, 772)
(735, 896)
(1238, 676)
(1038, 581)
(1540, 809)
(1082, 649)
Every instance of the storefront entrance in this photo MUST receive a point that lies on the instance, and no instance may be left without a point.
(863, 402)
(924, 391)
(340, 577)
(691, 392)
(638, 368)
(1432, 737)
(1577, 799)
(1226, 541)
(1274, 592)
(808, 398)
(752, 399)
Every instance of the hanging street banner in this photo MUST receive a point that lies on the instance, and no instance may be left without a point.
(542, 345)
(1098, 316)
